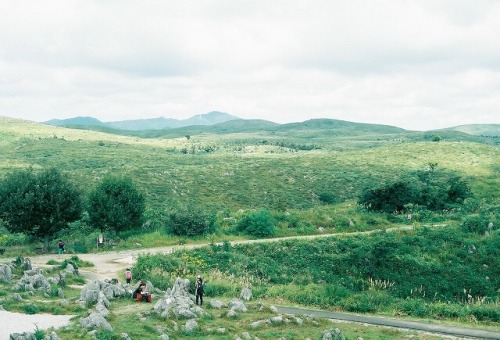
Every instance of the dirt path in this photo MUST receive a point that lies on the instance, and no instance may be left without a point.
(111, 264)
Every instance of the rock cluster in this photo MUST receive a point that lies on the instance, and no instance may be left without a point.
(178, 302)
(90, 293)
(97, 319)
(32, 336)
(33, 280)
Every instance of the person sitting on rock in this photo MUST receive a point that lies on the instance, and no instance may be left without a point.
(141, 294)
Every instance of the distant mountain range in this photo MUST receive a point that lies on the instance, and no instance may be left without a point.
(223, 123)
(160, 123)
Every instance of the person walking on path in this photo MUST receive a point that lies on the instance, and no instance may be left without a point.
(60, 248)
(199, 290)
(128, 275)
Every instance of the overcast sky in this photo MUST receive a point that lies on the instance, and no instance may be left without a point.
(419, 65)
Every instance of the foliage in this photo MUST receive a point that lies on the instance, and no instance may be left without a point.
(435, 190)
(475, 224)
(258, 224)
(364, 273)
(39, 204)
(191, 221)
(116, 205)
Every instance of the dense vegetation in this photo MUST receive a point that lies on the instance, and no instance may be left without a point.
(431, 189)
(443, 272)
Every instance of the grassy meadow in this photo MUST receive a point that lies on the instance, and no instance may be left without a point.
(442, 269)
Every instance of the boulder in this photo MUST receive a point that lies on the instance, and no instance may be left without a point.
(217, 304)
(52, 336)
(191, 326)
(5, 273)
(237, 305)
(246, 293)
(95, 321)
(22, 336)
(332, 334)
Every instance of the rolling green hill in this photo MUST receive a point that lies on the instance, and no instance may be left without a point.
(491, 130)
(244, 170)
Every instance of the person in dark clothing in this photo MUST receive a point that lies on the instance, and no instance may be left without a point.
(199, 290)
(141, 294)
(60, 248)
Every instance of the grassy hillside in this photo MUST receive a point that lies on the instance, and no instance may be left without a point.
(235, 171)
(492, 130)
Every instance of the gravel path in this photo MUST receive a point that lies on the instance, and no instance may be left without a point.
(20, 323)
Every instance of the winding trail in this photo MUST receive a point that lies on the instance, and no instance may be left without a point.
(111, 264)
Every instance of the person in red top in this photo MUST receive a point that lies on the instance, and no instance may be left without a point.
(128, 275)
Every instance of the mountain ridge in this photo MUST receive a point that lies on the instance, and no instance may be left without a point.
(220, 123)
(158, 123)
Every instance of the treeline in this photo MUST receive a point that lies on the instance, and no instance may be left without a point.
(431, 189)
(44, 203)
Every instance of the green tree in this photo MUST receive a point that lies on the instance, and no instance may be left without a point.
(116, 205)
(39, 204)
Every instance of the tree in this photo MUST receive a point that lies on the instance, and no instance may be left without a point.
(116, 205)
(39, 204)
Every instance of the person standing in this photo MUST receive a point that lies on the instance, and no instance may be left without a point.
(199, 290)
(60, 248)
(128, 275)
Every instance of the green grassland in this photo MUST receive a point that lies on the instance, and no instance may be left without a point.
(264, 167)
(233, 168)
(239, 171)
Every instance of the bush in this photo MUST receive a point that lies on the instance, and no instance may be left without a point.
(475, 224)
(191, 221)
(367, 301)
(413, 307)
(258, 224)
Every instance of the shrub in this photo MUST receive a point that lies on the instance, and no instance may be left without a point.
(367, 301)
(326, 198)
(413, 307)
(475, 224)
(191, 221)
(104, 334)
(258, 224)
(31, 309)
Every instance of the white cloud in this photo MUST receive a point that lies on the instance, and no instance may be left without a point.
(414, 64)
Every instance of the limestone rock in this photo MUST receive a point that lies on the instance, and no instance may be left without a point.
(5, 273)
(246, 293)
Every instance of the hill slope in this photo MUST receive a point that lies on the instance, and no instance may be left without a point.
(241, 171)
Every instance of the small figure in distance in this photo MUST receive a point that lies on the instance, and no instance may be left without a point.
(141, 294)
(199, 290)
(60, 248)
(128, 275)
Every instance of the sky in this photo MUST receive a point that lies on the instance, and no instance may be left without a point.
(419, 65)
